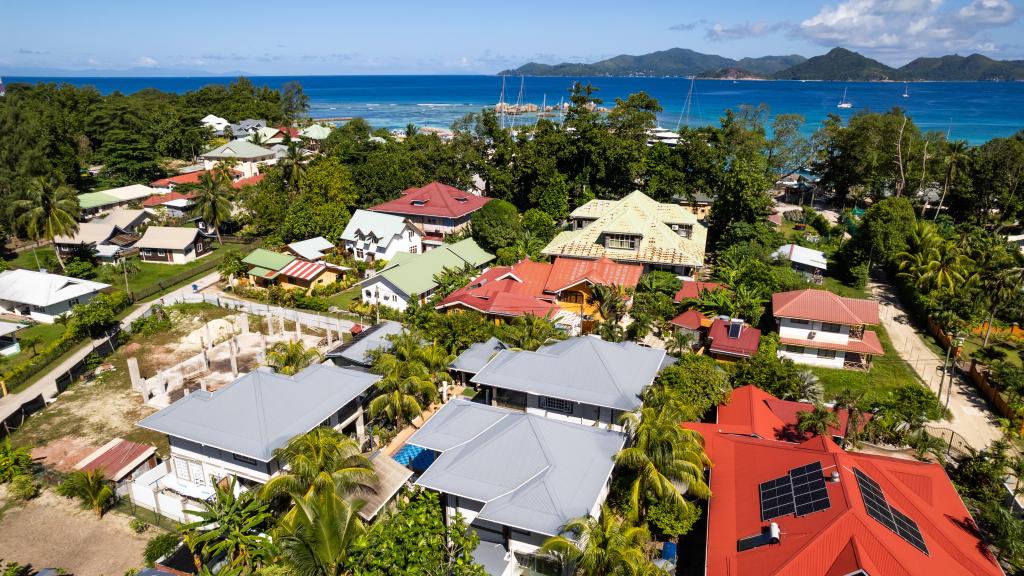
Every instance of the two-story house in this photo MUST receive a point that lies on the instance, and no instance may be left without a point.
(248, 157)
(515, 478)
(436, 209)
(820, 328)
(235, 430)
(584, 380)
(635, 230)
(371, 236)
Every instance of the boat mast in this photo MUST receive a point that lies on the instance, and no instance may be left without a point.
(501, 103)
(686, 105)
(519, 101)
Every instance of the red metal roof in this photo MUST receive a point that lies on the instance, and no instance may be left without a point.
(568, 272)
(755, 412)
(158, 199)
(302, 269)
(237, 184)
(117, 458)
(514, 290)
(869, 344)
(745, 346)
(693, 288)
(824, 306)
(842, 538)
(434, 199)
(691, 320)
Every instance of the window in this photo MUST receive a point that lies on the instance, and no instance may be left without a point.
(73, 302)
(800, 321)
(368, 294)
(621, 241)
(794, 349)
(200, 247)
(684, 230)
(147, 252)
(244, 459)
(161, 253)
(826, 354)
(829, 327)
(555, 405)
(181, 469)
(412, 249)
(572, 298)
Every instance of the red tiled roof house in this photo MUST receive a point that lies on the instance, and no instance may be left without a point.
(436, 209)
(732, 339)
(820, 328)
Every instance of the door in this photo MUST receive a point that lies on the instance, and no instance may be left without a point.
(196, 469)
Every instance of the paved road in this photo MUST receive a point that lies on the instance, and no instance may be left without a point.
(971, 418)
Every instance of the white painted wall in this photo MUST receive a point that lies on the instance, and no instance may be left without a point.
(410, 240)
(45, 315)
(584, 414)
(788, 328)
(388, 294)
(810, 356)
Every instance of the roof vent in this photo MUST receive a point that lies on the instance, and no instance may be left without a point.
(462, 199)
(419, 202)
(834, 477)
(770, 534)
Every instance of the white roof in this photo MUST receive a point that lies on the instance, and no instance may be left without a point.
(88, 233)
(312, 249)
(133, 192)
(177, 203)
(9, 328)
(801, 255)
(167, 237)
(122, 217)
(42, 288)
(383, 226)
(212, 119)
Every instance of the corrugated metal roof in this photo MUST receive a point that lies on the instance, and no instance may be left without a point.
(477, 355)
(414, 273)
(824, 306)
(372, 338)
(303, 269)
(382, 226)
(42, 288)
(242, 149)
(434, 199)
(167, 238)
(267, 259)
(311, 249)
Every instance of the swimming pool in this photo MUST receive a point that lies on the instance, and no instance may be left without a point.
(415, 457)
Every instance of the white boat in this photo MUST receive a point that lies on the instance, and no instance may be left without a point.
(906, 90)
(843, 103)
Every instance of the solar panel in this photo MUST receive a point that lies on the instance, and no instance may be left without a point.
(802, 491)
(878, 508)
(776, 498)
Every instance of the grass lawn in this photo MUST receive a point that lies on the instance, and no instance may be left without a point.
(27, 260)
(343, 299)
(887, 373)
(47, 334)
(835, 286)
(1004, 345)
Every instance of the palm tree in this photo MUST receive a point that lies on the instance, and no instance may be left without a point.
(294, 166)
(924, 444)
(667, 458)
(1000, 286)
(213, 199)
(403, 385)
(811, 389)
(257, 138)
(851, 401)
(955, 160)
(712, 303)
(321, 460)
(817, 421)
(436, 359)
(530, 332)
(233, 524)
(610, 330)
(945, 269)
(451, 279)
(90, 487)
(611, 301)
(661, 282)
(680, 342)
(747, 302)
(289, 358)
(50, 210)
(599, 547)
(316, 541)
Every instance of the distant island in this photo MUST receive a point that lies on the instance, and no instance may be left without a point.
(839, 64)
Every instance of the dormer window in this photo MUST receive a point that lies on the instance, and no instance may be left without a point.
(419, 202)
(621, 241)
(462, 200)
(684, 230)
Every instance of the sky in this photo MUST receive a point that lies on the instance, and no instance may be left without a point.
(260, 37)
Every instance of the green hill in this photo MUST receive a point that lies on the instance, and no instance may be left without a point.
(672, 62)
(840, 64)
(956, 67)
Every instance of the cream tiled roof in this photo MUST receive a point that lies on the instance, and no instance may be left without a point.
(635, 214)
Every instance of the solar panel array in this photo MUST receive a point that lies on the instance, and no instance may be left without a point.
(802, 491)
(878, 508)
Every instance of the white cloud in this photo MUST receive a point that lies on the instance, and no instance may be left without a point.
(146, 62)
(724, 33)
(906, 27)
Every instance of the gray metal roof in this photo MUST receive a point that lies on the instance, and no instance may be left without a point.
(259, 412)
(371, 338)
(477, 356)
(585, 369)
(530, 472)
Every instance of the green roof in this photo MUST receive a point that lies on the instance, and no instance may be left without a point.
(96, 199)
(267, 259)
(262, 272)
(238, 149)
(414, 274)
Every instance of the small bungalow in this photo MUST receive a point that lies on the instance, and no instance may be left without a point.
(120, 462)
(173, 204)
(407, 275)
(693, 323)
(371, 236)
(9, 345)
(93, 203)
(125, 219)
(108, 241)
(215, 123)
(172, 245)
(700, 203)
(42, 296)
(249, 157)
(436, 209)
(313, 249)
(732, 339)
(265, 265)
(810, 262)
(269, 268)
(356, 352)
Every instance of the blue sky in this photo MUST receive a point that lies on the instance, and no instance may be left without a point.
(402, 37)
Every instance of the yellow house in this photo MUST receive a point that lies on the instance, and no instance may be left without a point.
(288, 272)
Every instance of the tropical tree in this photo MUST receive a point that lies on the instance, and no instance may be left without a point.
(51, 209)
(530, 332)
(610, 330)
(664, 456)
(712, 303)
(232, 266)
(811, 389)
(999, 287)
(90, 487)
(212, 202)
(680, 342)
(818, 421)
(404, 385)
(924, 444)
(294, 166)
(451, 279)
(289, 358)
(232, 523)
(317, 540)
(611, 301)
(658, 281)
(436, 359)
(955, 161)
(321, 460)
(601, 546)
(13, 461)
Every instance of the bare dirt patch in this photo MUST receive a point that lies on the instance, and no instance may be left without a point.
(51, 531)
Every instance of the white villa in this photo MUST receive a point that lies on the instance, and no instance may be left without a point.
(820, 328)
(42, 296)
(248, 155)
(371, 236)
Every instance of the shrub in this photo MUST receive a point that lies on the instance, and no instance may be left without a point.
(14, 462)
(24, 487)
(138, 526)
(160, 546)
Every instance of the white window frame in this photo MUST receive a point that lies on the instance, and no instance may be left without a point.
(555, 405)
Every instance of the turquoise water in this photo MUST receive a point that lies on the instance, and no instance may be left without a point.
(972, 111)
(414, 457)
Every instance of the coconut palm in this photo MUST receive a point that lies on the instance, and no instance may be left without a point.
(289, 358)
(599, 547)
(924, 444)
(257, 138)
(818, 421)
(436, 359)
(611, 301)
(316, 541)
(530, 332)
(322, 459)
(90, 487)
(999, 288)
(811, 389)
(680, 342)
(212, 202)
(403, 386)
(712, 303)
(946, 268)
(610, 330)
(852, 402)
(660, 282)
(955, 161)
(294, 166)
(232, 523)
(51, 209)
(666, 458)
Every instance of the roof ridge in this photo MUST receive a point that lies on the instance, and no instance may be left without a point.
(608, 369)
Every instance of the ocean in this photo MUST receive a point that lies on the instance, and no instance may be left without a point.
(972, 111)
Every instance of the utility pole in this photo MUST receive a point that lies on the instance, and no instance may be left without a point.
(958, 342)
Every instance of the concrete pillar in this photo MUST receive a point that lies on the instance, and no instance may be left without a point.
(176, 377)
(243, 323)
(209, 337)
(270, 325)
(134, 374)
(330, 340)
(360, 427)
(263, 349)
(280, 324)
(206, 360)
(298, 328)
(232, 349)
(444, 392)
(202, 384)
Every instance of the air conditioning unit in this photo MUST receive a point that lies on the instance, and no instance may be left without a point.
(811, 335)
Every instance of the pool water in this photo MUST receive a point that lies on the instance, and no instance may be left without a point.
(415, 457)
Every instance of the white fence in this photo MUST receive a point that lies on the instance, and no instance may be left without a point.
(306, 318)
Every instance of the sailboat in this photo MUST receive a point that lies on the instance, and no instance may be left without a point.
(844, 103)
(906, 90)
